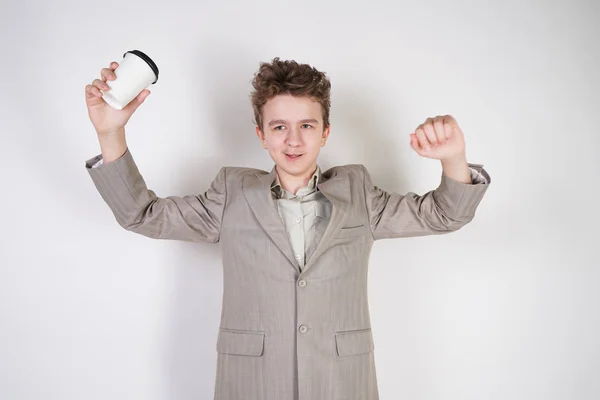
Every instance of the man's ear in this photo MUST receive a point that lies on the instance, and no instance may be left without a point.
(325, 135)
(261, 136)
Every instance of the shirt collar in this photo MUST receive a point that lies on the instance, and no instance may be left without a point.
(311, 187)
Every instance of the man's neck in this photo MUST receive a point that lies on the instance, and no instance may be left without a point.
(292, 183)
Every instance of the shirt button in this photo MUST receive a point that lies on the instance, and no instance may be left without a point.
(301, 283)
(298, 220)
(298, 256)
(303, 329)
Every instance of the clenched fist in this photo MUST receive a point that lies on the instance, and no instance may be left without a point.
(439, 138)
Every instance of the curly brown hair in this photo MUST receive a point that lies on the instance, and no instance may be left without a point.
(289, 77)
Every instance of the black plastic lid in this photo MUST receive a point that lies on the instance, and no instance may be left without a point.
(148, 61)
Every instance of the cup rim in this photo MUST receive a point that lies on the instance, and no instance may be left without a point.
(148, 60)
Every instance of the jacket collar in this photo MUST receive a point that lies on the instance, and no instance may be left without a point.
(333, 183)
(279, 192)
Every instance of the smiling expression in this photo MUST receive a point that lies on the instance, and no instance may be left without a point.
(293, 134)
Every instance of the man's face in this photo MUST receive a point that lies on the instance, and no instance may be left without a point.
(293, 133)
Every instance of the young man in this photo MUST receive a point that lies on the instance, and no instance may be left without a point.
(295, 241)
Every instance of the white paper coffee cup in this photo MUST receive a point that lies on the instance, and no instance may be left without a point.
(135, 73)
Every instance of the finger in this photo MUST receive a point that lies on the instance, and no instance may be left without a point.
(100, 84)
(142, 96)
(423, 142)
(414, 143)
(114, 65)
(438, 127)
(108, 74)
(92, 91)
(448, 126)
(429, 132)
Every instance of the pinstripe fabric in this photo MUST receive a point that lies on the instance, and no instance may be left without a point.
(286, 333)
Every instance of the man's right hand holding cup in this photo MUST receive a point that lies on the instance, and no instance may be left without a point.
(106, 119)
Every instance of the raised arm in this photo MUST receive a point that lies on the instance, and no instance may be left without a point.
(138, 209)
(117, 178)
(447, 208)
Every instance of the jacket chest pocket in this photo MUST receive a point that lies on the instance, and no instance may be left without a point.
(240, 342)
(349, 232)
(350, 343)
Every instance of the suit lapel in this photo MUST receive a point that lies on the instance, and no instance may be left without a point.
(257, 190)
(334, 184)
(336, 187)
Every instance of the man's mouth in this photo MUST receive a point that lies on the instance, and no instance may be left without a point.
(292, 157)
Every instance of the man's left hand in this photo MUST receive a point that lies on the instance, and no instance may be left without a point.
(439, 138)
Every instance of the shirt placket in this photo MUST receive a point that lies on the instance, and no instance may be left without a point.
(298, 233)
(292, 209)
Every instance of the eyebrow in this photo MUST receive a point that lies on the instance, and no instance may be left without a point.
(281, 121)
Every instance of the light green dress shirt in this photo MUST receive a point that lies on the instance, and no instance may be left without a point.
(305, 215)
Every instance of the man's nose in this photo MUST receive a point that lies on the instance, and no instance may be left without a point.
(294, 136)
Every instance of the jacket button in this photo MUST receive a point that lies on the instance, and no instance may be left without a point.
(301, 283)
(303, 329)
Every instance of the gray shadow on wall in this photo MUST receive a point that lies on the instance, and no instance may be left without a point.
(362, 133)
(231, 72)
(194, 310)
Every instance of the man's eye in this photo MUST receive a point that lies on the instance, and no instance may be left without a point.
(307, 125)
(277, 127)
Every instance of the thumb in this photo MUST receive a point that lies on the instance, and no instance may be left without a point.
(135, 103)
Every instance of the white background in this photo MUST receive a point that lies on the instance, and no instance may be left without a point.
(506, 308)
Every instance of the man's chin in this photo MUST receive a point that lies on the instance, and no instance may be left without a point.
(294, 168)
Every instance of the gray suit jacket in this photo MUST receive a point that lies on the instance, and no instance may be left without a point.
(286, 334)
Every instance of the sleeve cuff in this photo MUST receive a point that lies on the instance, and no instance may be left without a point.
(98, 161)
(460, 200)
(95, 162)
(479, 175)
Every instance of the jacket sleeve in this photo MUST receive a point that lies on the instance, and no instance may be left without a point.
(137, 209)
(447, 208)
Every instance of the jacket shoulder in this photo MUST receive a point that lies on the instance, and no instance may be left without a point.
(355, 171)
(238, 173)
